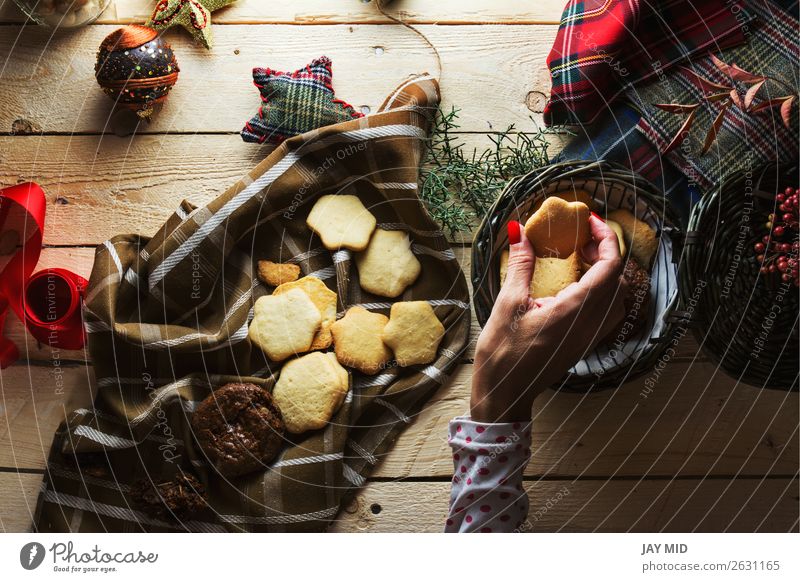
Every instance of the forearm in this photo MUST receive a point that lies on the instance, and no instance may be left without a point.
(489, 459)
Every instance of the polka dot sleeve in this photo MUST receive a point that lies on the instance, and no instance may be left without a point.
(489, 459)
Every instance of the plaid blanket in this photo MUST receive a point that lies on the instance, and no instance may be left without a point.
(744, 141)
(615, 138)
(604, 47)
(167, 318)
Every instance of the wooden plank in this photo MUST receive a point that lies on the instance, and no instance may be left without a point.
(18, 501)
(100, 186)
(79, 260)
(714, 505)
(695, 422)
(344, 11)
(215, 91)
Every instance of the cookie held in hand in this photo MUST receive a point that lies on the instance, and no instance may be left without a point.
(570, 196)
(413, 332)
(325, 301)
(310, 390)
(284, 325)
(240, 428)
(558, 228)
(388, 266)
(357, 339)
(342, 222)
(550, 274)
(274, 274)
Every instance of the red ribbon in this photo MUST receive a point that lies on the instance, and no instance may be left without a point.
(48, 302)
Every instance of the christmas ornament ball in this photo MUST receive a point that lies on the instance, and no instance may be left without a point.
(136, 68)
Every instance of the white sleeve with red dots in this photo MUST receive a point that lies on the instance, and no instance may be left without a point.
(489, 459)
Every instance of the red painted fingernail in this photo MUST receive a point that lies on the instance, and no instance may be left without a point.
(597, 216)
(514, 232)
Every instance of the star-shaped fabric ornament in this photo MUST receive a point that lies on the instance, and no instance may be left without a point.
(294, 103)
(193, 15)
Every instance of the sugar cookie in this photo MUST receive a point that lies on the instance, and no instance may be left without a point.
(640, 238)
(310, 390)
(324, 299)
(413, 332)
(570, 196)
(342, 222)
(550, 274)
(274, 274)
(388, 266)
(357, 339)
(284, 325)
(558, 228)
(613, 225)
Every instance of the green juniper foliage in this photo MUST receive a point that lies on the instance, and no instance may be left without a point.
(459, 187)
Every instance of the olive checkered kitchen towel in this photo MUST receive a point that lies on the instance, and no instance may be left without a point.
(167, 318)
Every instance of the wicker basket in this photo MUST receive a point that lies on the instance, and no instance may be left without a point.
(746, 322)
(614, 187)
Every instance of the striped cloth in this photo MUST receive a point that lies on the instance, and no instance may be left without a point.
(167, 318)
(604, 47)
(745, 141)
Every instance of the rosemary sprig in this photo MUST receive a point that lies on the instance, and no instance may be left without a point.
(457, 186)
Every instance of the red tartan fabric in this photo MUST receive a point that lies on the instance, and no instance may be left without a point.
(605, 46)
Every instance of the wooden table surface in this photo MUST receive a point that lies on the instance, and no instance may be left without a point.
(700, 452)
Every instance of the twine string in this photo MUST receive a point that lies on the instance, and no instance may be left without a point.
(380, 6)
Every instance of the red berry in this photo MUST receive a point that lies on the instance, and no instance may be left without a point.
(764, 270)
(765, 239)
(788, 191)
(759, 247)
(781, 197)
(786, 278)
(760, 258)
(778, 230)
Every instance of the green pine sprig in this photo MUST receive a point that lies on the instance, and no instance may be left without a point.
(458, 187)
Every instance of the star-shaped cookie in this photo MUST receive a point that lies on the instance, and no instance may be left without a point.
(294, 103)
(193, 15)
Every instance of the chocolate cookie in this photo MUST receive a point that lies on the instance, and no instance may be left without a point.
(177, 499)
(637, 299)
(636, 302)
(240, 428)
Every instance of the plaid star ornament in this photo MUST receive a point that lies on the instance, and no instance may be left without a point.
(294, 103)
(193, 15)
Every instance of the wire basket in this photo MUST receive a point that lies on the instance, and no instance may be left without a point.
(612, 186)
(745, 321)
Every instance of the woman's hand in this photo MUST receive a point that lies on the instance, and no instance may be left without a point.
(529, 344)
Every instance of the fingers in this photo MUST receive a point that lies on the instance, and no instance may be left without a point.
(521, 261)
(601, 233)
(603, 254)
(543, 302)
